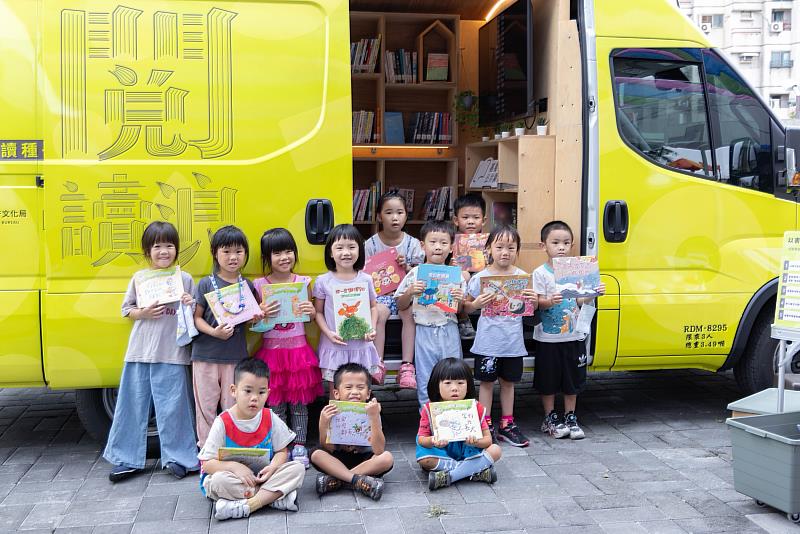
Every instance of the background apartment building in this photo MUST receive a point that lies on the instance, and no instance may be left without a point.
(763, 40)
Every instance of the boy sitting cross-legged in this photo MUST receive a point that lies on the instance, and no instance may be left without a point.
(237, 490)
(360, 467)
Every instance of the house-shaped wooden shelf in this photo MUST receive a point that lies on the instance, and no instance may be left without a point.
(436, 38)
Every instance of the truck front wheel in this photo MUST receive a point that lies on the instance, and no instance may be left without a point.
(755, 370)
(96, 411)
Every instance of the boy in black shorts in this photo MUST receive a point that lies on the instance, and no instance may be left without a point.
(358, 467)
(561, 350)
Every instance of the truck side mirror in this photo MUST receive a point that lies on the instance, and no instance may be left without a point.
(792, 147)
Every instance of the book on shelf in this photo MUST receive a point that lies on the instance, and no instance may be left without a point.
(485, 175)
(386, 273)
(507, 299)
(400, 66)
(469, 252)
(395, 134)
(158, 286)
(437, 67)
(364, 55)
(351, 310)
(577, 276)
(289, 295)
(408, 197)
(364, 202)
(364, 127)
(504, 213)
(440, 280)
(351, 425)
(430, 127)
(455, 420)
(438, 204)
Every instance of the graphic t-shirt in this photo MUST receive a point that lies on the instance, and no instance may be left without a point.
(558, 322)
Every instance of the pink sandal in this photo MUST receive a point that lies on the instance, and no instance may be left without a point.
(407, 376)
(380, 374)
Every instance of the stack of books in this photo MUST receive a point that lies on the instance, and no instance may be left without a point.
(400, 66)
(431, 127)
(438, 204)
(364, 54)
(364, 202)
(364, 130)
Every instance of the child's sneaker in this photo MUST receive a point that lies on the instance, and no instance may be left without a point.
(575, 431)
(121, 472)
(327, 484)
(225, 509)
(493, 433)
(176, 469)
(407, 376)
(379, 375)
(512, 435)
(300, 454)
(554, 426)
(488, 475)
(465, 329)
(372, 487)
(288, 502)
(438, 479)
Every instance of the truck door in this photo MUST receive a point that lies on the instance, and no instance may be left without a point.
(20, 201)
(687, 168)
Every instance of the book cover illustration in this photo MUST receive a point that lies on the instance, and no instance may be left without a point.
(160, 286)
(437, 67)
(255, 459)
(469, 252)
(289, 295)
(386, 273)
(225, 311)
(508, 300)
(577, 277)
(351, 308)
(351, 425)
(440, 280)
(455, 420)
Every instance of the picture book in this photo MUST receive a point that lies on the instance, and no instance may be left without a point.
(351, 307)
(225, 311)
(160, 286)
(437, 67)
(439, 280)
(455, 420)
(386, 273)
(290, 295)
(255, 459)
(469, 252)
(395, 134)
(351, 425)
(507, 291)
(577, 277)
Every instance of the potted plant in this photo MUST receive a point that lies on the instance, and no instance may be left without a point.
(505, 130)
(541, 126)
(487, 134)
(519, 128)
(497, 133)
(466, 110)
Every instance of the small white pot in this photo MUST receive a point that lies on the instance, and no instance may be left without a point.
(519, 131)
(541, 130)
(497, 136)
(485, 138)
(505, 134)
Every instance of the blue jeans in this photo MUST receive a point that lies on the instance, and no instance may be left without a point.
(166, 385)
(431, 345)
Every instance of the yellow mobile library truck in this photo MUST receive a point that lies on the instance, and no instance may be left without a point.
(666, 163)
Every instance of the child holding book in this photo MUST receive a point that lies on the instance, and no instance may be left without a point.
(436, 334)
(561, 350)
(469, 217)
(392, 217)
(156, 369)
(448, 462)
(218, 347)
(360, 467)
(295, 379)
(499, 347)
(236, 488)
(345, 258)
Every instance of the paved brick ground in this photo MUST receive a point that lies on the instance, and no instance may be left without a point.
(657, 458)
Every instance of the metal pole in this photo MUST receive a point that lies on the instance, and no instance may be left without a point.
(781, 373)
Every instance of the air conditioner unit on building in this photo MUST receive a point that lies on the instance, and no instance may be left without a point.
(705, 27)
(776, 27)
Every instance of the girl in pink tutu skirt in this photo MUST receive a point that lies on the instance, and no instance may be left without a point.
(344, 257)
(295, 379)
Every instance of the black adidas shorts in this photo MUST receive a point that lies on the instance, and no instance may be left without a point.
(560, 368)
(490, 368)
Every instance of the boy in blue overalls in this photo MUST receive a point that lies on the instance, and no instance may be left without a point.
(248, 424)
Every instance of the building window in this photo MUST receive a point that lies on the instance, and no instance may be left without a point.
(714, 20)
(779, 101)
(746, 15)
(781, 60)
(747, 59)
(783, 16)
